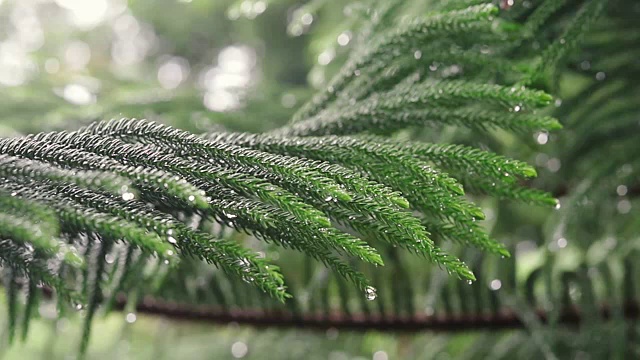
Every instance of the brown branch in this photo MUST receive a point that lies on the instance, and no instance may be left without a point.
(505, 319)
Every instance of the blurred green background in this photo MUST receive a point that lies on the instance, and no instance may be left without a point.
(194, 64)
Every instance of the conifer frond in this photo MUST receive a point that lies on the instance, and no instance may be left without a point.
(573, 34)
(289, 190)
(405, 106)
(402, 41)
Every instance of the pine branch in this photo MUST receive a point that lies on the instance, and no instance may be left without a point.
(321, 185)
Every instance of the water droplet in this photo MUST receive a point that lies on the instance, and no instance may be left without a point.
(380, 355)
(128, 196)
(506, 4)
(542, 138)
(344, 38)
(172, 240)
(306, 18)
(557, 207)
(554, 164)
(622, 190)
(417, 54)
(131, 318)
(239, 349)
(495, 284)
(600, 76)
(624, 206)
(109, 258)
(244, 263)
(370, 293)
(469, 282)
(326, 56)
(562, 243)
(585, 65)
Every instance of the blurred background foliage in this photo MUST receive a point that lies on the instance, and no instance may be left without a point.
(248, 65)
(191, 64)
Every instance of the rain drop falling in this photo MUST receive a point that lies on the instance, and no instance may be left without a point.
(370, 293)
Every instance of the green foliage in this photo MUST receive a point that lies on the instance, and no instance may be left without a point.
(368, 172)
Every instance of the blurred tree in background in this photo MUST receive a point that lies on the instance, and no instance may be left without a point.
(209, 66)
